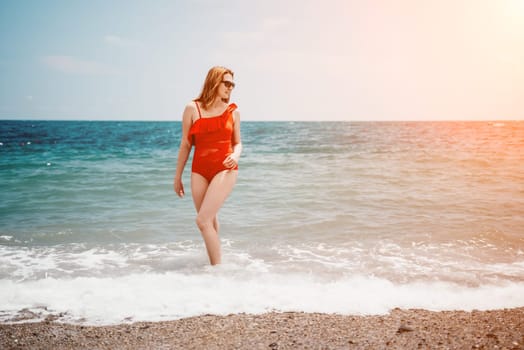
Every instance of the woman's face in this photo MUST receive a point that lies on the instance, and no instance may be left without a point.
(226, 86)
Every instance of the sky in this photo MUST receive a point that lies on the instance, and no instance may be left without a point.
(293, 60)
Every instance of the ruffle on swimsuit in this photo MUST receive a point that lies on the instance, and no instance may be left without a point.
(211, 124)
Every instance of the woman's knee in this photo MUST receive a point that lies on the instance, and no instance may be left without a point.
(204, 222)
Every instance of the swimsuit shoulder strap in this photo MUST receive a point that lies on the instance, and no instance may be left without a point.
(198, 109)
(231, 107)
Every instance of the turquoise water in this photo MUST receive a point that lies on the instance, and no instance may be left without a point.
(341, 217)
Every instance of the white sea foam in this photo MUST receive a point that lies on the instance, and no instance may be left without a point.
(225, 290)
(132, 282)
(382, 260)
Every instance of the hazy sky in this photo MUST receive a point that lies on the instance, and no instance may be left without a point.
(293, 60)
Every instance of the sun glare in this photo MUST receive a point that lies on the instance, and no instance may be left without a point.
(516, 8)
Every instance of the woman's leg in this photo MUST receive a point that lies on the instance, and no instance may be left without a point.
(199, 186)
(211, 199)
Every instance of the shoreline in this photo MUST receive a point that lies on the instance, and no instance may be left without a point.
(400, 329)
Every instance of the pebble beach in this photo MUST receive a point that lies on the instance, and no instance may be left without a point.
(400, 329)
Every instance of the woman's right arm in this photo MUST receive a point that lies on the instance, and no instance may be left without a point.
(185, 149)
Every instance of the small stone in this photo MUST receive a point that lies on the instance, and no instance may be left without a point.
(404, 328)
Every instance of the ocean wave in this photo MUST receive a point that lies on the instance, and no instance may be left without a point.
(471, 262)
(226, 289)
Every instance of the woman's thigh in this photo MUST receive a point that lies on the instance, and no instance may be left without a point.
(199, 187)
(216, 193)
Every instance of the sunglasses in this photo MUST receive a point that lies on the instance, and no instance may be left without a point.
(228, 84)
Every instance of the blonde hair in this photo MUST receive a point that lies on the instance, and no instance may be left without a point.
(211, 84)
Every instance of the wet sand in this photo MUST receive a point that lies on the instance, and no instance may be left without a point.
(400, 329)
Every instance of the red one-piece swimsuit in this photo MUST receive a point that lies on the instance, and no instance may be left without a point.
(212, 137)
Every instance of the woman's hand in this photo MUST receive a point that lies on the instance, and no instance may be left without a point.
(179, 187)
(230, 162)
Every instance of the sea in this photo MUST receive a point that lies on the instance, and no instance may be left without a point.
(351, 218)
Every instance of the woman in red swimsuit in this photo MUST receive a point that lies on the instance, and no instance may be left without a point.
(212, 125)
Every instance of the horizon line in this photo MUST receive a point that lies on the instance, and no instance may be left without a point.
(272, 120)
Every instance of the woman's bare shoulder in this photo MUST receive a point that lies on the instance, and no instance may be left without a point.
(190, 111)
(191, 106)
